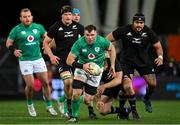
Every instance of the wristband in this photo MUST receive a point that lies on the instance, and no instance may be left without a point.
(161, 57)
(77, 65)
(11, 48)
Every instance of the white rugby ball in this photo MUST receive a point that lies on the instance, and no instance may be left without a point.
(94, 69)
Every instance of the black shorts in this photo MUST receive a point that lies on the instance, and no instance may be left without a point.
(62, 66)
(112, 92)
(142, 70)
(91, 90)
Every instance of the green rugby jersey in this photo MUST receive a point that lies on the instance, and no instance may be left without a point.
(28, 40)
(91, 53)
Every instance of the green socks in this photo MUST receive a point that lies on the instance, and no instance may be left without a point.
(75, 106)
(29, 101)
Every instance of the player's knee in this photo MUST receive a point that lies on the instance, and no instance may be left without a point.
(128, 90)
(75, 97)
(87, 101)
(66, 76)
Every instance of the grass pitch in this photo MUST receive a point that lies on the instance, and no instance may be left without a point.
(15, 112)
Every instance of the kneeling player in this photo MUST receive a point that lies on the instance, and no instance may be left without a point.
(109, 90)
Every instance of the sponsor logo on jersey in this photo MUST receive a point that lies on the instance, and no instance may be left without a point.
(91, 56)
(136, 40)
(35, 31)
(60, 29)
(84, 50)
(97, 49)
(30, 38)
(68, 34)
(23, 32)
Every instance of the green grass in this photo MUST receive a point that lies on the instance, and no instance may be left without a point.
(15, 112)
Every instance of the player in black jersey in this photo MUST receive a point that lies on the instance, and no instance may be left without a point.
(64, 32)
(109, 90)
(136, 40)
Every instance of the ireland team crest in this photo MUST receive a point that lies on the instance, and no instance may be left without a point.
(30, 38)
(34, 31)
(97, 49)
(91, 56)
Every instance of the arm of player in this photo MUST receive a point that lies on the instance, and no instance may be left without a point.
(72, 62)
(159, 52)
(54, 59)
(114, 82)
(110, 37)
(10, 46)
(112, 54)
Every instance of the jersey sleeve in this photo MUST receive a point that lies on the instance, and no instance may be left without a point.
(106, 44)
(42, 30)
(117, 34)
(12, 34)
(52, 31)
(153, 37)
(76, 48)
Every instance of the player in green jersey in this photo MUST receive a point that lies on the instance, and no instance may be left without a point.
(89, 48)
(27, 35)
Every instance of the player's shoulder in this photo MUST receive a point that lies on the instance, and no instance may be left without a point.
(77, 24)
(124, 29)
(148, 30)
(18, 27)
(36, 24)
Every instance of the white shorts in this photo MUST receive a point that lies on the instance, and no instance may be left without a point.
(30, 67)
(85, 77)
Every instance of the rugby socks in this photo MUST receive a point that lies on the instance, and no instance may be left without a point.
(65, 106)
(29, 101)
(122, 102)
(48, 102)
(132, 102)
(69, 105)
(62, 98)
(149, 92)
(90, 109)
(75, 106)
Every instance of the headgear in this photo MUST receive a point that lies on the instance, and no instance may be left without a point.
(76, 11)
(66, 8)
(138, 17)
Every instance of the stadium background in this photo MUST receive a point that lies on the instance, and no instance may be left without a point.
(164, 19)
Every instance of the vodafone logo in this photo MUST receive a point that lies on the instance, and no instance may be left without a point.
(91, 56)
(30, 38)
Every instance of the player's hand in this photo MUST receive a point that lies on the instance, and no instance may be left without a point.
(17, 53)
(112, 72)
(87, 68)
(101, 89)
(55, 60)
(159, 61)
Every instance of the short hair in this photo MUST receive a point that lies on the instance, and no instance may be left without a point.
(139, 17)
(90, 28)
(25, 10)
(65, 9)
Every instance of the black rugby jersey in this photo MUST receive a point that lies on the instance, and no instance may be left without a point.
(105, 78)
(135, 45)
(65, 36)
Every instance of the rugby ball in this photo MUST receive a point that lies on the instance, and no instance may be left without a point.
(94, 69)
